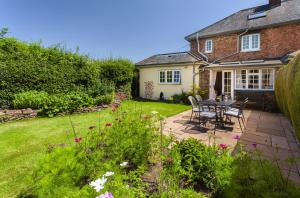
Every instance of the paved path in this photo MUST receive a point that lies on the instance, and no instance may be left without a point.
(271, 132)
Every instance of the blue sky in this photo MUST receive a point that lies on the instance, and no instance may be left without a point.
(133, 29)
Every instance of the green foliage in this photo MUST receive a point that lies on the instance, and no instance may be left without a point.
(119, 71)
(104, 99)
(258, 178)
(100, 88)
(180, 98)
(30, 99)
(30, 66)
(60, 103)
(68, 169)
(197, 163)
(287, 91)
(132, 141)
(3, 32)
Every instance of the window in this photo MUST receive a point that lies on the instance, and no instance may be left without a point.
(176, 76)
(208, 46)
(255, 79)
(162, 77)
(251, 42)
(267, 79)
(241, 79)
(170, 77)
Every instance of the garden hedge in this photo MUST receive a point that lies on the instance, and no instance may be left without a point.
(287, 91)
(32, 67)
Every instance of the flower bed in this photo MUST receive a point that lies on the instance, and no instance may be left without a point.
(130, 157)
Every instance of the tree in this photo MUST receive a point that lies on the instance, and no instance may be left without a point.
(3, 32)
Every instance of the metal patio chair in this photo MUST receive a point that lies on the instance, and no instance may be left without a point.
(237, 112)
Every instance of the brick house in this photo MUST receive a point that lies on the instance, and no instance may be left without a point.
(237, 56)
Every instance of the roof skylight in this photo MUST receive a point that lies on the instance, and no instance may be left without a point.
(257, 15)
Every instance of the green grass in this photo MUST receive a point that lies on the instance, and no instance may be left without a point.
(22, 143)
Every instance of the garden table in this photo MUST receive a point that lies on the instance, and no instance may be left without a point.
(223, 105)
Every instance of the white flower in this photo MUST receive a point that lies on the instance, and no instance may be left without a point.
(124, 164)
(98, 184)
(108, 174)
(154, 112)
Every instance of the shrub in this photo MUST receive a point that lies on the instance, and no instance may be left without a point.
(198, 164)
(119, 71)
(29, 66)
(101, 88)
(59, 103)
(132, 140)
(105, 99)
(255, 177)
(30, 99)
(287, 91)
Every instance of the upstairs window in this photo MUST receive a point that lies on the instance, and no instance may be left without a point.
(170, 77)
(208, 46)
(251, 42)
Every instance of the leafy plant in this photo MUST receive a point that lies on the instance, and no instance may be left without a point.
(287, 91)
(198, 164)
(255, 177)
(104, 99)
(30, 99)
(30, 66)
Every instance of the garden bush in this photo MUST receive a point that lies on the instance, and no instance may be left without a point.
(31, 67)
(104, 99)
(119, 71)
(60, 103)
(253, 176)
(197, 164)
(287, 91)
(30, 99)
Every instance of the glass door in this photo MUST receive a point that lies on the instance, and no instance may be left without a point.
(227, 83)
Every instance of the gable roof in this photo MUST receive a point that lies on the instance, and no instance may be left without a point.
(287, 12)
(170, 58)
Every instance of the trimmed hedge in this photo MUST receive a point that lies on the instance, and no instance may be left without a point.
(287, 91)
(29, 66)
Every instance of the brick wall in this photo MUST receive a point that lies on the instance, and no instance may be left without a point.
(263, 100)
(275, 42)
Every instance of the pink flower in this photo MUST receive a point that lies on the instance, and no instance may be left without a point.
(254, 145)
(108, 124)
(77, 139)
(237, 137)
(223, 146)
(106, 195)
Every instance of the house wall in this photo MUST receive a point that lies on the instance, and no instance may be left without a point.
(151, 74)
(275, 42)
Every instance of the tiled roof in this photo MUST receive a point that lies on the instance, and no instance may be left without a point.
(287, 12)
(170, 58)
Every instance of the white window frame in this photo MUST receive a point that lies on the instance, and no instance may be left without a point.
(259, 79)
(173, 73)
(251, 49)
(206, 46)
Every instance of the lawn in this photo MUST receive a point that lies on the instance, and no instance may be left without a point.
(22, 143)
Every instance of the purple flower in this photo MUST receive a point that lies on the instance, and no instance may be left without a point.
(223, 146)
(237, 137)
(106, 195)
(254, 145)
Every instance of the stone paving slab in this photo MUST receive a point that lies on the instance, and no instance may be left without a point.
(272, 134)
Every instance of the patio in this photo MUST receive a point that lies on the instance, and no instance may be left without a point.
(272, 133)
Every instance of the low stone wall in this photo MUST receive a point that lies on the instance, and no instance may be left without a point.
(12, 114)
(262, 100)
(7, 115)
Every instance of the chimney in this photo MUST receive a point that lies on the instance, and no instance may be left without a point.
(274, 3)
